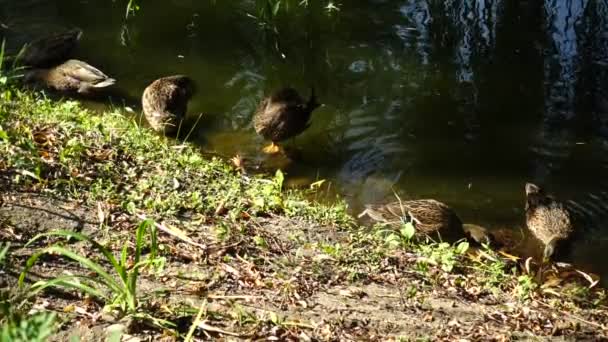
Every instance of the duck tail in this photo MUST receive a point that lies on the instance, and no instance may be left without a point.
(312, 101)
(105, 83)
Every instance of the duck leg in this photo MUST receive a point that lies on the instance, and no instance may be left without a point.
(272, 148)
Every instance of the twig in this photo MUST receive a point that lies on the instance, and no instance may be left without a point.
(174, 232)
(193, 127)
(210, 328)
(197, 321)
(299, 325)
(233, 297)
(597, 325)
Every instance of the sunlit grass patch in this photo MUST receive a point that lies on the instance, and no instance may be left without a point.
(61, 147)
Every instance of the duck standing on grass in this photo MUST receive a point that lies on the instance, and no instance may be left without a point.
(165, 102)
(429, 217)
(73, 76)
(547, 219)
(50, 50)
(283, 115)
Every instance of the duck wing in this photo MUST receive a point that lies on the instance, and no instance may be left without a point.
(84, 72)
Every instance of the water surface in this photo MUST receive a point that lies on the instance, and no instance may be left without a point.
(463, 101)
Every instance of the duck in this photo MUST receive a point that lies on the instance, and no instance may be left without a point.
(504, 240)
(72, 76)
(430, 217)
(283, 115)
(165, 102)
(50, 50)
(548, 220)
(479, 234)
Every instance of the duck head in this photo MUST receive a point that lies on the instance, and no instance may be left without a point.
(536, 196)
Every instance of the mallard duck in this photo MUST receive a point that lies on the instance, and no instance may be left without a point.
(429, 217)
(283, 115)
(71, 76)
(165, 102)
(50, 50)
(547, 219)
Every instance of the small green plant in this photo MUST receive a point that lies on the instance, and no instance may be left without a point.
(27, 328)
(268, 197)
(118, 291)
(494, 270)
(17, 325)
(442, 254)
(525, 286)
(402, 237)
(10, 73)
(4, 251)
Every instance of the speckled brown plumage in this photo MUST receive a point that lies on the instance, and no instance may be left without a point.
(283, 115)
(51, 50)
(430, 217)
(70, 76)
(165, 102)
(546, 218)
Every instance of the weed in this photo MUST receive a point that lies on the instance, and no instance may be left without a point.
(442, 254)
(493, 271)
(16, 324)
(525, 286)
(400, 238)
(25, 328)
(8, 75)
(118, 294)
(4, 247)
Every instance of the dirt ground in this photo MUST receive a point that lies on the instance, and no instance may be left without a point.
(289, 292)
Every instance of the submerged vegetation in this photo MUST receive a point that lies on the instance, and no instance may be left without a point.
(265, 10)
(230, 254)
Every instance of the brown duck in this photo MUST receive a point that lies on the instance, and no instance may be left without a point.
(547, 219)
(283, 115)
(50, 50)
(72, 76)
(429, 216)
(165, 102)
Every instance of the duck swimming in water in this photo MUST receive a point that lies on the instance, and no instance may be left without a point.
(165, 102)
(547, 219)
(283, 115)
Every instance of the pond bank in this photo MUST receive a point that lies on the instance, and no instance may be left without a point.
(260, 261)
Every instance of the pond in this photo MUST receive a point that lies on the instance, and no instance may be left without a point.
(462, 101)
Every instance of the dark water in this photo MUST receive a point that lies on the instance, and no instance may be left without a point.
(463, 101)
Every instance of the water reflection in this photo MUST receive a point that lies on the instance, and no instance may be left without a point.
(459, 100)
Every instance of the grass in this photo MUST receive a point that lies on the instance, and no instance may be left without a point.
(244, 250)
(118, 291)
(16, 325)
(65, 149)
(35, 328)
